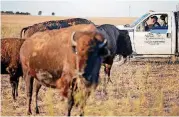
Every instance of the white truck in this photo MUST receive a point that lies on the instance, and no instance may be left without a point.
(161, 41)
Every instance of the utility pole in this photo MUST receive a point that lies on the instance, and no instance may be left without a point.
(129, 10)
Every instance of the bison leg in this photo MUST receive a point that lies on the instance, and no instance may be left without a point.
(82, 108)
(82, 112)
(70, 102)
(13, 85)
(13, 91)
(107, 70)
(109, 73)
(29, 89)
(17, 84)
(122, 60)
(37, 87)
(14, 80)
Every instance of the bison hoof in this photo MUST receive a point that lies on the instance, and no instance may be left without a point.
(29, 113)
(62, 98)
(109, 80)
(37, 111)
(14, 98)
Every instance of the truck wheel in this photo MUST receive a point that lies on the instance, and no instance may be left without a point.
(174, 59)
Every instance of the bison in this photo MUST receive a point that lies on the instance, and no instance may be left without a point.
(119, 43)
(68, 59)
(51, 25)
(10, 61)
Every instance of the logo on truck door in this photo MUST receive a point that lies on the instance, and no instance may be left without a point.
(154, 38)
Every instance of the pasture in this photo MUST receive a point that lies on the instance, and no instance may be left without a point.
(139, 88)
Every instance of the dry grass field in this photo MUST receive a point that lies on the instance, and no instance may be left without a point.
(144, 88)
(12, 25)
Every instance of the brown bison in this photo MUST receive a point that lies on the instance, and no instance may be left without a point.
(10, 61)
(51, 25)
(68, 59)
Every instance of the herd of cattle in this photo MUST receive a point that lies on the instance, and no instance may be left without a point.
(64, 54)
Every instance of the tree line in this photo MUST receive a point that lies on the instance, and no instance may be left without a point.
(21, 13)
(40, 13)
(15, 13)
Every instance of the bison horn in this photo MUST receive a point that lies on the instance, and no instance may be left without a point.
(103, 44)
(72, 39)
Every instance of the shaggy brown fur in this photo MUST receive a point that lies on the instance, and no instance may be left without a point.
(10, 61)
(49, 57)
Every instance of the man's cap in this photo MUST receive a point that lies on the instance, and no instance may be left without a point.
(155, 17)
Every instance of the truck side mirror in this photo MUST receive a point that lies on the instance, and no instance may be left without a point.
(141, 27)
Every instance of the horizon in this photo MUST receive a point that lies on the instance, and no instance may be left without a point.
(98, 8)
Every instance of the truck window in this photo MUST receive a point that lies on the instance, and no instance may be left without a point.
(155, 23)
(139, 19)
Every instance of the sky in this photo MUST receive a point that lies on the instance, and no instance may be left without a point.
(89, 8)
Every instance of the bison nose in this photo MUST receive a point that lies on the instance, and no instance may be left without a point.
(88, 77)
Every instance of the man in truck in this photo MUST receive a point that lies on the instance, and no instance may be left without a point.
(162, 20)
(155, 21)
(152, 22)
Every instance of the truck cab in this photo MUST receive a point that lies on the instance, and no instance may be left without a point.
(154, 41)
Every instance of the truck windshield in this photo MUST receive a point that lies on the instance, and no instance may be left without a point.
(138, 20)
